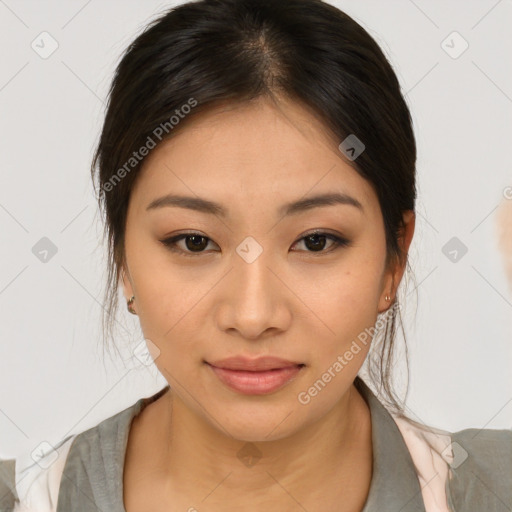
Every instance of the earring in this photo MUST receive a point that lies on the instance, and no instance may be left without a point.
(130, 305)
(387, 298)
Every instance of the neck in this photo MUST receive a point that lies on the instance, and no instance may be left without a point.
(336, 448)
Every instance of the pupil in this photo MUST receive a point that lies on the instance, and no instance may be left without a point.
(316, 245)
(196, 242)
(314, 242)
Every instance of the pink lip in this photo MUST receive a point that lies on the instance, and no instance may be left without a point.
(255, 376)
(255, 365)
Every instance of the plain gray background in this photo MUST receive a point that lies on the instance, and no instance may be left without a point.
(54, 379)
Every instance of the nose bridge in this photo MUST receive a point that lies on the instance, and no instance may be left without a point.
(252, 303)
(253, 264)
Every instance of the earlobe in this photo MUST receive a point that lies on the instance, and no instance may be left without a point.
(388, 296)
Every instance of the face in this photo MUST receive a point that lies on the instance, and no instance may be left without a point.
(251, 278)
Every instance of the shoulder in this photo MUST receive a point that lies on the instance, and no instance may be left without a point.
(481, 469)
(38, 473)
(91, 462)
(107, 434)
(8, 494)
(467, 470)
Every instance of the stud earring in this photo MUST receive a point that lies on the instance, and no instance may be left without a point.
(130, 305)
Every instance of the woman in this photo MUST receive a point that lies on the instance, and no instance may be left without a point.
(257, 173)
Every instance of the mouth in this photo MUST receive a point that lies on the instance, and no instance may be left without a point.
(255, 377)
(258, 364)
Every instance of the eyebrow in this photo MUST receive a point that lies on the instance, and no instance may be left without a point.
(293, 208)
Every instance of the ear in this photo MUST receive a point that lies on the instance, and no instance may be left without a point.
(393, 275)
(127, 284)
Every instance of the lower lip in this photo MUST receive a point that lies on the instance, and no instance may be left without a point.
(256, 383)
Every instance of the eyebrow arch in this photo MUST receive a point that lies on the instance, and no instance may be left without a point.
(293, 208)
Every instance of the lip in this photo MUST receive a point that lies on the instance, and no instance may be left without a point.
(253, 365)
(255, 376)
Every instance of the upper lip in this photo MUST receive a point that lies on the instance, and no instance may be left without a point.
(248, 364)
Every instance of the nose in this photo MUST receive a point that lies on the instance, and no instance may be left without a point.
(254, 302)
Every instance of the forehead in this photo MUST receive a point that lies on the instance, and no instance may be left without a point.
(254, 153)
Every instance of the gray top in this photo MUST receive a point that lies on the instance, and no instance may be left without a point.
(93, 473)
(8, 494)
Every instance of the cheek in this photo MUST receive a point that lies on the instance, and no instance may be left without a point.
(164, 290)
(174, 304)
(345, 306)
(345, 292)
(334, 300)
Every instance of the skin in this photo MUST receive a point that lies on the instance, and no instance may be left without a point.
(291, 302)
(503, 225)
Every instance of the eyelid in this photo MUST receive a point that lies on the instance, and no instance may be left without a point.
(319, 231)
(339, 241)
(170, 243)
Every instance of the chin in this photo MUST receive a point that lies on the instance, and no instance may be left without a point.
(257, 423)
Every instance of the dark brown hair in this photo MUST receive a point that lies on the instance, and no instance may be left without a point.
(207, 53)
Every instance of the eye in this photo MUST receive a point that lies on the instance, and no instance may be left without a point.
(315, 241)
(195, 243)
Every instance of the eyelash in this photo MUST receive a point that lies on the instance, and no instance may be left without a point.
(339, 242)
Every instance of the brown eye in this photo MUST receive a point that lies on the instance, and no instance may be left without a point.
(316, 242)
(194, 243)
(197, 243)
